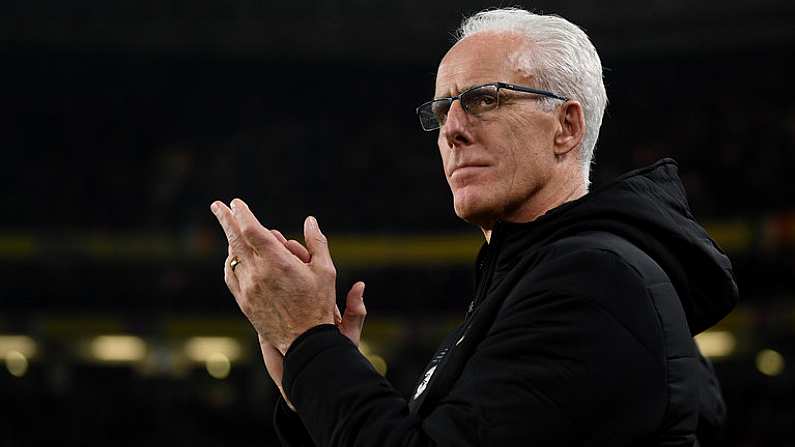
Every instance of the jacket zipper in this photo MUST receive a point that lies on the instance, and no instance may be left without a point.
(488, 269)
(439, 360)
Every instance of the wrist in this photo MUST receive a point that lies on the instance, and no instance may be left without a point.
(285, 345)
(307, 333)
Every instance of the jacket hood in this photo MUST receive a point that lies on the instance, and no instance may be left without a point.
(649, 208)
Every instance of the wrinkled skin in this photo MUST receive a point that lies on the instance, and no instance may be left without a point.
(513, 163)
(518, 161)
(282, 287)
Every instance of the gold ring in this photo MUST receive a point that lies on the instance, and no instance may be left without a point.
(234, 263)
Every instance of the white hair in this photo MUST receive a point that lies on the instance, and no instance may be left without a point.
(564, 61)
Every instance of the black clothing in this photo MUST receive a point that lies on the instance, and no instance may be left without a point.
(580, 333)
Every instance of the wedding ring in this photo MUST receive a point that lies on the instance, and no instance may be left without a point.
(234, 263)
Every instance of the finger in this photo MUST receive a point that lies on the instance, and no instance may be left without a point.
(298, 250)
(252, 231)
(355, 313)
(230, 278)
(231, 228)
(279, 236)
(316, 243)
(294, 246)
(229, 275)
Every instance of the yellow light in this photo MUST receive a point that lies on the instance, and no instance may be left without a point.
(716, 343)
(378, 363)
(219, 366)
(769, 362)
(17, 343)
(118, 348)
(17, 363)
(202, 349)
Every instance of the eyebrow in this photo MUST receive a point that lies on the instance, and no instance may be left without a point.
(468, 87)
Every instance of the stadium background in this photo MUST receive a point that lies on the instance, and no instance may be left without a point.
(121, 121)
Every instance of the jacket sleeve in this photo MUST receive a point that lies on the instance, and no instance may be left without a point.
(554, 366)
(289, 428)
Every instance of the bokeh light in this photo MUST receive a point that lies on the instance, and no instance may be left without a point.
(716, 344)
(769, 362)
(218, 365)
(118, 348)
(17, 363)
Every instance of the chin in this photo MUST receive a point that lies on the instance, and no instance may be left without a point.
(477, 212)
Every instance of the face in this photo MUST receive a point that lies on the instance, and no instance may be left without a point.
(498, 162)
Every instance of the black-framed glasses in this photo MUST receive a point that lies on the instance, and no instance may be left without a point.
(476, 100)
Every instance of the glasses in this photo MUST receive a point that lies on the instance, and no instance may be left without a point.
(476, 100)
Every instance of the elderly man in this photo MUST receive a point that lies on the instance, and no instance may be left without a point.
(580, 332)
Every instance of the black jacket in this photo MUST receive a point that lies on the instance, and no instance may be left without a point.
(580, 333)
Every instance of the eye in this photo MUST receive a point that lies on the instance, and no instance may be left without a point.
(480, 100)
(485, 100)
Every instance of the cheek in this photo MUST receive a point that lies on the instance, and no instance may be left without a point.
(522, 151)
(512, 147)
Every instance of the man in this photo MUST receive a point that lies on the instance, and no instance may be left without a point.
(581, 329)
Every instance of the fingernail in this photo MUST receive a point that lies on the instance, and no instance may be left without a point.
(233, 205)
(313, 222)
(214, 207)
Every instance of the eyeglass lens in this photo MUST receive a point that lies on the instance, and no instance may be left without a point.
(475, 101)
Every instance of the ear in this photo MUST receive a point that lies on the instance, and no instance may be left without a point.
(571, 130)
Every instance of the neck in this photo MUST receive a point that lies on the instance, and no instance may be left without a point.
(539, 204)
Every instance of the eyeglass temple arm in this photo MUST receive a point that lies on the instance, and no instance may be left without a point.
(531, 90)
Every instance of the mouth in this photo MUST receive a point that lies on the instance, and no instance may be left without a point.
(467, 169)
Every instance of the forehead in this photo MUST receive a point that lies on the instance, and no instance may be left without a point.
(481, 58)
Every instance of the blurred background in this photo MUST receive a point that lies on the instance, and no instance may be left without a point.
(120, 122)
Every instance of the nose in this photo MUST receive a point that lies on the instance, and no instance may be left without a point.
(456, 129)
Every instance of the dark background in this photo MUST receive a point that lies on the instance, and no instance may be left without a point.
(120, 122)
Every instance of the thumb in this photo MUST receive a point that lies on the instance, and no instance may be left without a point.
(316, 242)
(355, 313)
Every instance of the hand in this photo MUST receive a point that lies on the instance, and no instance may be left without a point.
(350, 325)
(302, 253)
(281, 295)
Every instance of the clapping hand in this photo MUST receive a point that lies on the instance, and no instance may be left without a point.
(281, 286)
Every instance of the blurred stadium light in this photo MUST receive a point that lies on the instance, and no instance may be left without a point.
(716, 344)
(118, 348)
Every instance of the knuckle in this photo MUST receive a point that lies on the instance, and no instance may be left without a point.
(329, 270)
(281, 265)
